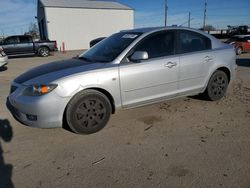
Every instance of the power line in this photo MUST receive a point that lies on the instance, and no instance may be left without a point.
(210, 10)
(232, 15)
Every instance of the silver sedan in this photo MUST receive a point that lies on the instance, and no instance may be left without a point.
(128, 69)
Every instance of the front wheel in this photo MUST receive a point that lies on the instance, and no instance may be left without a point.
(43, 52)
(217, 86)
(88, 112)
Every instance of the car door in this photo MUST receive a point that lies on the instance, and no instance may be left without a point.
(153, 79)
(25, 46)
(196, 57)
(9, 45)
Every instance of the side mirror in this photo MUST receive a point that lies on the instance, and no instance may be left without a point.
(139, 55)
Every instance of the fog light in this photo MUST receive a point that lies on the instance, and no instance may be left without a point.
(31, 117)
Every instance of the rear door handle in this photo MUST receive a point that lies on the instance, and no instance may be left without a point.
(170, 64)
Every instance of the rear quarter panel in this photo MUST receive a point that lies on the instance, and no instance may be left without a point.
(49, 44)
(223, 57)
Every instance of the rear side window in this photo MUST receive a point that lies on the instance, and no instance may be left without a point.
(191, 42)
(158, 45)
(25, 39)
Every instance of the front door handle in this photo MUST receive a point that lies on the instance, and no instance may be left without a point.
(170, 64)
(208, 59)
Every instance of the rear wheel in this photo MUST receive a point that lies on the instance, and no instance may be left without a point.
(239, 51)
(88, 112)
(217, 86)
(43, 51)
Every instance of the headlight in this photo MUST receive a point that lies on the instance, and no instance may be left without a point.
(39, 89)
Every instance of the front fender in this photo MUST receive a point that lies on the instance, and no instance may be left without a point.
(107, 80)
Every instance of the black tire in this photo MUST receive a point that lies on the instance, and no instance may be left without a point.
(88, 112)
(217, 86)
(239, 51)
(43, 51)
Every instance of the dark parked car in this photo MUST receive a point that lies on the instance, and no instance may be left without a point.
(95, 41)
(24, 45)
(238, 30)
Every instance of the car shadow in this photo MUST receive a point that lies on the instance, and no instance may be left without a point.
(21, 56)
(198, 97)
(243, 62)
(6, 135)
(4, 68)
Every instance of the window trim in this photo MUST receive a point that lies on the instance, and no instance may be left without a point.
(131, 51)
(195, 33)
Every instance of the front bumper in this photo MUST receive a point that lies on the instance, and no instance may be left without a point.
(48, 110)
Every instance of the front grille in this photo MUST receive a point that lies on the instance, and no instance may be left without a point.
(13, 110)
(12, 89)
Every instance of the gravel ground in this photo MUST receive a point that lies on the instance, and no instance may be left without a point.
(185, 142)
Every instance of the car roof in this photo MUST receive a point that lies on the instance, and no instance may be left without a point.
(19, 36)
(155, 29)
(241, 36)
(148, 30)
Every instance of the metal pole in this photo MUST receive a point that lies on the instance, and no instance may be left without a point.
(205, 15)
(189, 17)
(166, 12)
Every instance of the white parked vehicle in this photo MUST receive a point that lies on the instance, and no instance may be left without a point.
(3, 58)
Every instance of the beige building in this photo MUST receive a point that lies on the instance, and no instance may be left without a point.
(76, 22)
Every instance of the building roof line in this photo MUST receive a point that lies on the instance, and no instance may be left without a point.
(89, 8)
(84, 4)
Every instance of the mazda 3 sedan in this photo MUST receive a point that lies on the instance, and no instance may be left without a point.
(128, 69)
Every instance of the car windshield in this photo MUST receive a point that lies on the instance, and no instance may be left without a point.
(109, 49)
(232, 39)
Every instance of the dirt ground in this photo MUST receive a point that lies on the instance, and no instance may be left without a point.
(185, 142)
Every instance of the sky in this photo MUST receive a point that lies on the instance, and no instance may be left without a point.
(16, 15)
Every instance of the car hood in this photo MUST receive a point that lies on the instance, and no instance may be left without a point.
(53, 71)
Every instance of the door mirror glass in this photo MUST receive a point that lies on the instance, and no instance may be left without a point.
(139, 55)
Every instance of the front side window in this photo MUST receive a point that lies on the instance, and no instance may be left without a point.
(12, 40)
(248, 39)
(158, 45)
(110, 48)
(191, 42)
(244, 39)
